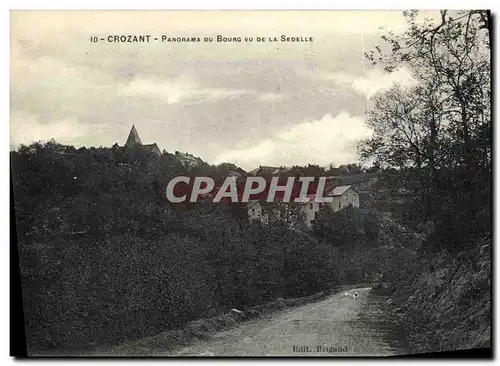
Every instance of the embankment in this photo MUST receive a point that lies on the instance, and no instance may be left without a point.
(448, 308)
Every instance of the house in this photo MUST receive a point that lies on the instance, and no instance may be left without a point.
(310, 208)
(263, 170)
(135, 146)
(188, 160)
(344, 196)
(265, 212)
(254, 209)
(268, 212)
(285, 212)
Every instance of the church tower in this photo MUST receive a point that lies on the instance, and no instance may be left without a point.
(133, 138)
(135, 145)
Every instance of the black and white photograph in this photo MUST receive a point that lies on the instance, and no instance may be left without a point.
(251, 183)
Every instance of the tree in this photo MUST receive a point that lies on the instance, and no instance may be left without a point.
(438, 132)
(288, 214)
(340, 228)
(451, 63)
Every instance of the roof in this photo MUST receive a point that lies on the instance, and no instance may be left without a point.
(265, 169)
(340, 190)
(311, 198)
(133, 138)
(150, 146)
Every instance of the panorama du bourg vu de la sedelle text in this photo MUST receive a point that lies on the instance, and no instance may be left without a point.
(165, 38)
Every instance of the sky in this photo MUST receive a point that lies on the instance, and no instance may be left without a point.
(249, 103)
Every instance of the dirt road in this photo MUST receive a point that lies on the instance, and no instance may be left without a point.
(340, 325)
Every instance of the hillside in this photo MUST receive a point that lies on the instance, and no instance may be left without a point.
(104, 258)
(449, 307)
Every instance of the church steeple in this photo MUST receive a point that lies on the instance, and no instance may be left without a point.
(133, 138)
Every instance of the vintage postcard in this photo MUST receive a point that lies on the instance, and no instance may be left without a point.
(252, 183)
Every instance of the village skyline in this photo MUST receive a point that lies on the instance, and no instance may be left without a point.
(248, 103)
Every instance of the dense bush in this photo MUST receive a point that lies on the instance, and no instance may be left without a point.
(104, 258)
(347, 226)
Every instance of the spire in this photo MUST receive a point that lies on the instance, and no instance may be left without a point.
(133, 138)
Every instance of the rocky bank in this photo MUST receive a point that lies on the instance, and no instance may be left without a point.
(449, 307)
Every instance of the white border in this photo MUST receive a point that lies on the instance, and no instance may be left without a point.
(255, 4)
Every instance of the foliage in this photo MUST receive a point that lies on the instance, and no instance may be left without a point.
(104, 258)
(346, 227)
(437, 133)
